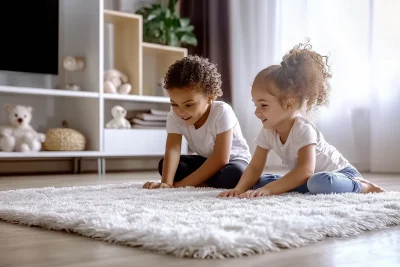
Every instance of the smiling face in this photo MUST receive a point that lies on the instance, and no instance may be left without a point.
(190, 105)
(269, 108)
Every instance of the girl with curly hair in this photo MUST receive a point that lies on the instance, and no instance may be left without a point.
(280, 93)
(210, 127)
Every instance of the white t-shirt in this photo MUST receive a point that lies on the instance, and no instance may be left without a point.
(303, 133)
(202, 140)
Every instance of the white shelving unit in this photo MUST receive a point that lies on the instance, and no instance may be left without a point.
(81, 33)
(137, 98)
(46, 92)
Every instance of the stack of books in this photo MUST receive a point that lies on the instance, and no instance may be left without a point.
(150, 119)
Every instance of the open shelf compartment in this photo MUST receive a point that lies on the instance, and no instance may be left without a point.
(156, 61)
(127, 46)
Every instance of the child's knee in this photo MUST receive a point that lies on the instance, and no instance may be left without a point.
(234, 169)
(228, 177)
(320, 183)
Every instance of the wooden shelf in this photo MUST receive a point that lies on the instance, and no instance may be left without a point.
(138, 98)
(113, 16)
(149, 48)
(48, 92)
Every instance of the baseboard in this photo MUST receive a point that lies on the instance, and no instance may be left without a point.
(65, 165)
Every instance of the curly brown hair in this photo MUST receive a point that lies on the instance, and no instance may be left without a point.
(302, 73)
(194, 72)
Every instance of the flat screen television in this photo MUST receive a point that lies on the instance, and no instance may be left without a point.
(29, 36)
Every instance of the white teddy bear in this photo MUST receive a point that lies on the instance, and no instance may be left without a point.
(116, 82)
(21, 137)
(119, 121)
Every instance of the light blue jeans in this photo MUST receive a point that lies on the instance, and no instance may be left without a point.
(322, 182)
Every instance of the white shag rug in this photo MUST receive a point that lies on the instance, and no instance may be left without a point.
(192, 222)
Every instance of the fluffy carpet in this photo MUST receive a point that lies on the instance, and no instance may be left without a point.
(192, 222)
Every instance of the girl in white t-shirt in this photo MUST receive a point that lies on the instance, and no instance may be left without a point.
(280, 92)
(210, 127)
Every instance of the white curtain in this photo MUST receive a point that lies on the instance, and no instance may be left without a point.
(253, 46)
(385, 87)
(358, 37)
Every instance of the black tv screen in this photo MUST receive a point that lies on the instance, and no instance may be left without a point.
(29, 36)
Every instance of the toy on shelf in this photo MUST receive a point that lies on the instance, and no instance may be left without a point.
(116, 82)
(119, 121)
(72, 87)
(20, 136)
(73, 64)
(64, 139)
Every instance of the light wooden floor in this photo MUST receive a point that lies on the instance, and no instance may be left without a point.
(31, 246)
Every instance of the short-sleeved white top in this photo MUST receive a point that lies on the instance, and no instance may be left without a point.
(202, 140)
(303, 133)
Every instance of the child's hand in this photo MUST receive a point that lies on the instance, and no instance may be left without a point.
(164, 185)
(153, 185)
(252, 194)
(229, 193)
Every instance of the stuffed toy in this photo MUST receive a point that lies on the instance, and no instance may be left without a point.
(116, 82)
(119, 121)
(20, 136)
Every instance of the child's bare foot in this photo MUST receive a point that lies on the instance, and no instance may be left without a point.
(368, 187)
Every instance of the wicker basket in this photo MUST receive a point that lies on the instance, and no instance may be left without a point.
(64, 139)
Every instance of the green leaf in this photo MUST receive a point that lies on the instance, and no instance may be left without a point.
(184, 22)
(161, 25)
(173, 39)
(187, 29)
(167, 13)
(175, 22)
(151, 17)
(158, 13)
(169, 23)
(188, 39)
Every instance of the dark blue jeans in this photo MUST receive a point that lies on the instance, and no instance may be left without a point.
(322, 182)
(226, 178)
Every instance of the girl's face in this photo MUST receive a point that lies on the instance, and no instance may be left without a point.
(190, 105)
(269, 109)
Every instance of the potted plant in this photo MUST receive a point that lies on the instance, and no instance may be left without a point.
(162, 26)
